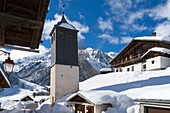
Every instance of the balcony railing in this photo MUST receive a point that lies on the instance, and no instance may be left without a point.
(128, 60)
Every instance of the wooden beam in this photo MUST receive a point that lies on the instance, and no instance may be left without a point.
(22, 8)
(36, 32)
(35, 37)
(2, 34)
(19, 48)
(17, 42)
(17, 36)
(7, 19)
(4, 7)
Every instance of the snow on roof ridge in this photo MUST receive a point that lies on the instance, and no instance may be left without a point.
(66, 25)
(23, 96)
(156, 38)
(96, 97)
(161, 49)
(106, 69)
(158, 49)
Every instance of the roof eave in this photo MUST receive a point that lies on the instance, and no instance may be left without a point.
(121, 51)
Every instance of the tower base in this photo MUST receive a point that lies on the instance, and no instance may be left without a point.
(64, 80)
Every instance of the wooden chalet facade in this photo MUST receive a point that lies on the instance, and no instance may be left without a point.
(4, 83)
(21, 23)
(131, 57)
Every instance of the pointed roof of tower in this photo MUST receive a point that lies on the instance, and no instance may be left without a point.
(65, 24)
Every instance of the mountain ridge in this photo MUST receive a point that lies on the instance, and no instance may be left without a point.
(36, 69)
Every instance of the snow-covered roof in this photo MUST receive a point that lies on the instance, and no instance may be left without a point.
(24, 96)
(66, 25)
(106, 69)
(3, 74)
(96, 97)
(153, 38)
(144, 38)
(158, 49)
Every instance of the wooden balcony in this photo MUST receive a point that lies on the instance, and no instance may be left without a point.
(127, 61)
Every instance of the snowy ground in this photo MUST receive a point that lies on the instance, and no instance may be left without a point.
(9, 96)
(136, 85)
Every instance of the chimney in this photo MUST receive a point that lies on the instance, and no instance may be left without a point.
(154, 34)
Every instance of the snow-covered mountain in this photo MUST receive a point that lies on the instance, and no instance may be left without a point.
(37, 68)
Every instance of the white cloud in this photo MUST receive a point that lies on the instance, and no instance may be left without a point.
(136, 27)
(105, 25)
(162, 11)
(118, 6)
(109, 38)
(122, 12)
(81, 16)
(133, 27)
(16, 54)
(134, 16)
(125, 40)
(82, 29)
(163, 29)
(50, 23)
(140, 1)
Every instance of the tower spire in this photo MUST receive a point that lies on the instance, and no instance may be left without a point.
(63, 20)
(63, 6)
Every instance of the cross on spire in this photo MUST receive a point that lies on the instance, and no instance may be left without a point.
(63, 6)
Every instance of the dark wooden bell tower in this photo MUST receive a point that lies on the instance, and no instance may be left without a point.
(64, 60)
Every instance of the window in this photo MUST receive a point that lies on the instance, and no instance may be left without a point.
(128, 69)
(144, 67)
(153, 61)
(61, 35)
(132, 68)
(71, 37)
(121, 69)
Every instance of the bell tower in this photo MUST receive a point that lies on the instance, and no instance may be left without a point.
(64, 60)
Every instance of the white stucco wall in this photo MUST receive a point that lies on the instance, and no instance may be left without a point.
(137, 67)
(165, 62)
(155, 65)
(159, 63)
(64, 80)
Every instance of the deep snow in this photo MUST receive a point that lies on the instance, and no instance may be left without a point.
(136, 85)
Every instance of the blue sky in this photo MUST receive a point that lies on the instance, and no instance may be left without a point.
(110, 24)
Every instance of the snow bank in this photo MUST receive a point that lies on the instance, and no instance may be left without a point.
(137, 85)
(120, 104)
(61, 109)
(133, 109)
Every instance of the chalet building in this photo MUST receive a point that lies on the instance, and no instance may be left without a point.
(143, 53)
(90, 101)
(4, 82)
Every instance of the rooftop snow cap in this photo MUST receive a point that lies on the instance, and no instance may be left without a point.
(65, 24)
(154, 34)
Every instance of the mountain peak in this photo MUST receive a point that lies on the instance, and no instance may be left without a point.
(37, 68)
